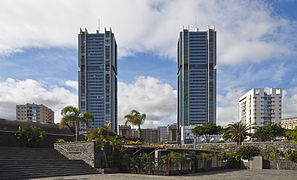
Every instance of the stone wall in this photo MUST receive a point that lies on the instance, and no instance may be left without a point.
(85, 151)
(232, 147)
(280, 164)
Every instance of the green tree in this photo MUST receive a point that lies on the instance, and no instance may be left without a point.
(31, 136)
(292, 135)
(72, 116)
(206, 129)
(101, 135)
(105, 138)
(136, 119)
(236, 132)
(269, 132)
(246, 152)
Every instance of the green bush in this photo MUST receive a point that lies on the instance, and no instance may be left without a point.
(233, 163)
(60, 141)
(31, 136)
(291, 155)
(275, 154)
(125, 161)
(246, 152)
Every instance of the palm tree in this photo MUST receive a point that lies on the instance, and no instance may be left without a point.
(136, 119)
(236, 132)
(72, 116)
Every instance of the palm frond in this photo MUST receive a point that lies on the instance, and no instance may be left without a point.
(70, 109)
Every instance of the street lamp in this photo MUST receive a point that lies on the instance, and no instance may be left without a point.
(76, 123)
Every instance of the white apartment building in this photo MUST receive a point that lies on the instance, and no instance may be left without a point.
(259, 107)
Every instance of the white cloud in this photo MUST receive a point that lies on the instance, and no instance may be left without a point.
(145, 94)
(289, 107)
(13, 92)
(149, 26)
(72, 84)
(151, 96)
(227, 110)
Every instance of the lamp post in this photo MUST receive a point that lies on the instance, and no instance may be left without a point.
(76, 123)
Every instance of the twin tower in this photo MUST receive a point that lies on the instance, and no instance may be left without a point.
(97, 60)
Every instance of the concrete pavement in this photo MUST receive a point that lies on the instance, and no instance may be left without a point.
(265, 174)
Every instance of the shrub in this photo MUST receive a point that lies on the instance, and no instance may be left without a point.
(246, 152)
(31, 136)
(291, 155)
(60, 141)
(275, 154)
(233, 163)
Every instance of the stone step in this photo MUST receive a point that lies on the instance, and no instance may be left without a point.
(29, 153)
(41, 175)
(24, 169)
(27, 163)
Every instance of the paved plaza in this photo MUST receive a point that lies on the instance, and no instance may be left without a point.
(267, 174)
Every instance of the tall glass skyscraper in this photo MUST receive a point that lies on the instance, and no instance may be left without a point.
(196, 80)
(97, 60)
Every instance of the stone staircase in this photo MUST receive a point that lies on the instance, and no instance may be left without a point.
(27, 163)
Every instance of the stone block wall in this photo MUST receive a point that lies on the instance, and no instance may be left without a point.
(85, 151)
(280, 164)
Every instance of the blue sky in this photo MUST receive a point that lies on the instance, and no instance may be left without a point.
(257, 46)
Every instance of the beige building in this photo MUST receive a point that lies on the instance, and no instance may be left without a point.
(162, 134)
(259, 107)
(289, 123)
(150, 135)
(34, 113)
(172, 133)
(125, 130)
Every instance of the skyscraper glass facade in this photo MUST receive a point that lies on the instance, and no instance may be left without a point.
(97, 61)
(196, 78)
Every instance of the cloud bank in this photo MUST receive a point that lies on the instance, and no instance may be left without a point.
(146, 94)
(149, 26)
(151, 96)
(13, 92)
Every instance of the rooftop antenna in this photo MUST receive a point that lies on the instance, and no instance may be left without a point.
(98, 26)
(196, 26)
(195, 21)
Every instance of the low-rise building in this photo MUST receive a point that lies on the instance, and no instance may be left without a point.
(172, 133)
(163, 135)
(150, 135)
(289, 123)
(125, 130)
(34, 113)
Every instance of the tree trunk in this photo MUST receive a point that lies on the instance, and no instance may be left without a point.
(139, 131)
(76, 130)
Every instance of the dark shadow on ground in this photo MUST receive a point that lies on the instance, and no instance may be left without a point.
(213, 172)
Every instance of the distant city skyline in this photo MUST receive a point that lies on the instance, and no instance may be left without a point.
(38, 52)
